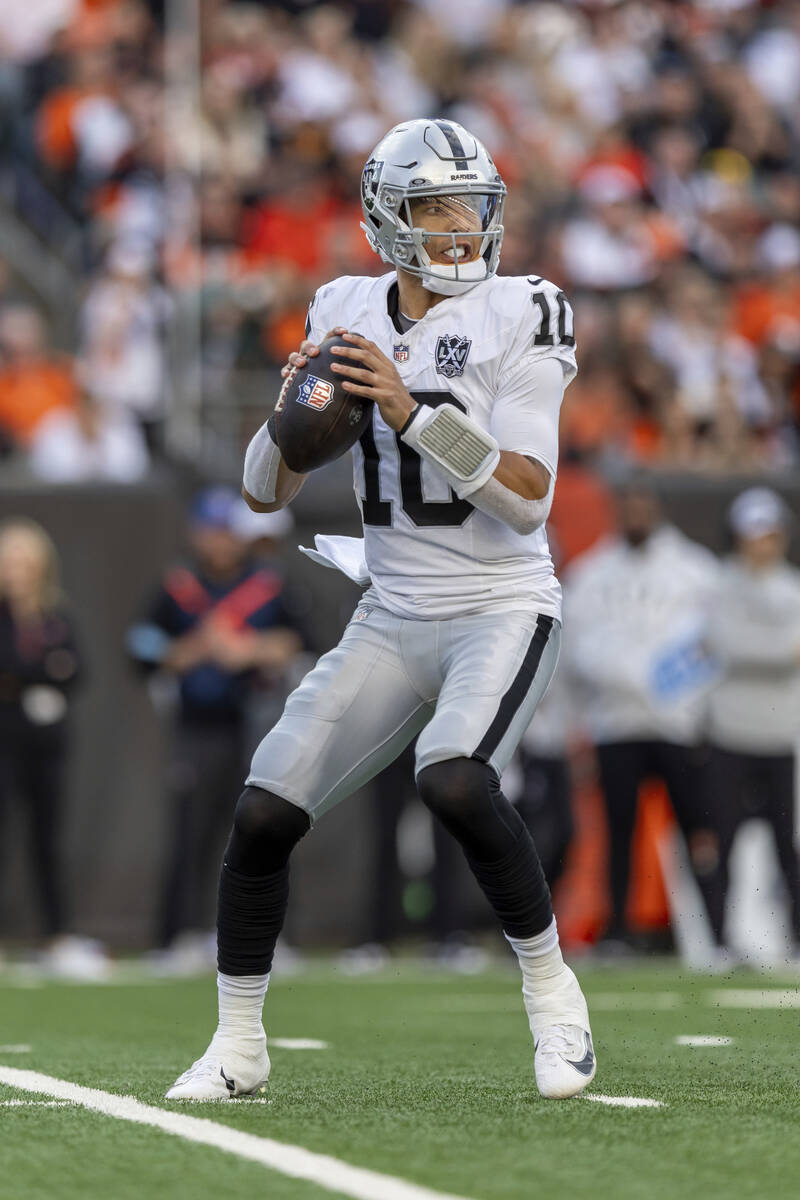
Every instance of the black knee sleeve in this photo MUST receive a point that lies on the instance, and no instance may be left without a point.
(254, 882)
(465, 795)
(266, 828)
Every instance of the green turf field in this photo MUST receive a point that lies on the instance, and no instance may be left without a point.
(427, 1077)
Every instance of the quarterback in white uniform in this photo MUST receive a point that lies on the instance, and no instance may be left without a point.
(457, 635)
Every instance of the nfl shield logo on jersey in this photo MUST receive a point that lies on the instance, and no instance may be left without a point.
(401, 352)
(451, 354)
(316, 393)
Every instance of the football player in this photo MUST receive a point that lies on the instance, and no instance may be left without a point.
(458, 634)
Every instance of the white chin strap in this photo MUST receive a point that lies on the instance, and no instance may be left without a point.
(441, 279)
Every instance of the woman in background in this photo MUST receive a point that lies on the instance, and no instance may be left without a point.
(38, 667)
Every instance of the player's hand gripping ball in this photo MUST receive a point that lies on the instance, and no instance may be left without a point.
(315, 419)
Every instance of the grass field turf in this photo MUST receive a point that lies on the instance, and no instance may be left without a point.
(428, 1077)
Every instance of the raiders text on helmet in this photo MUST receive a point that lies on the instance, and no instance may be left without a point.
(423, 158)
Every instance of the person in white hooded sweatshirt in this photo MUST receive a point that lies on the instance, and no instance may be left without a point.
(635, 608)
(754, 712)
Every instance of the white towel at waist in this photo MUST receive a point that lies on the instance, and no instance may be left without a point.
(345, 554)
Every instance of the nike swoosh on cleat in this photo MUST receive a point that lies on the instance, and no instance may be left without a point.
(230, 1084)
(584, 1065)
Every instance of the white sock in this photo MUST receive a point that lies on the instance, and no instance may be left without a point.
(549, 988)
(241, 1000)
(539, 956)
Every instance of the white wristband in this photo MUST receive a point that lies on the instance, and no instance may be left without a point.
(465, 454)
(261, 463)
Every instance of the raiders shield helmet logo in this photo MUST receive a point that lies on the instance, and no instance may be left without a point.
(451, 354)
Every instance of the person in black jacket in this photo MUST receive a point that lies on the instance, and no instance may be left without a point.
(220, 626)
(39, 665)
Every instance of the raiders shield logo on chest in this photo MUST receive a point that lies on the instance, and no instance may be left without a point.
(451, 354)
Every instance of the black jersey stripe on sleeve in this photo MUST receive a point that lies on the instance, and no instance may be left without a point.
(513, 698)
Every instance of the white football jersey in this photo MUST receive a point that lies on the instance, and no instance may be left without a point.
(430, 555)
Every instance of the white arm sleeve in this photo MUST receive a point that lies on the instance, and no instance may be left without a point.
(526, 411)
(521, 515)
(263, 457)
(525, 420)
(261, 463)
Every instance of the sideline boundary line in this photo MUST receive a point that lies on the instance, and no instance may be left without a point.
(321, 1169)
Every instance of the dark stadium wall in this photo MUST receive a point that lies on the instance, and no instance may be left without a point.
(114, 542)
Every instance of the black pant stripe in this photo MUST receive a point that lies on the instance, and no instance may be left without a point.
(456, 145)
(520, 686)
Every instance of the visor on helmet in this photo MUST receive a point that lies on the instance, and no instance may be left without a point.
(471, 222)
(469, 212)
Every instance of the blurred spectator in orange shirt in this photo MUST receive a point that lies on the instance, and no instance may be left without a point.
(82, 124)
(770, 309)
(300, 224)
(33, 381)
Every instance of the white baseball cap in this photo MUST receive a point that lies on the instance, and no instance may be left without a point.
(252, 526)
(756, 512)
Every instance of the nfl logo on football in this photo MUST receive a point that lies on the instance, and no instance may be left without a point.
(316, 393)
(401, 352)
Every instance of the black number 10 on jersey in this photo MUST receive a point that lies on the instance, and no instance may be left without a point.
(453, 512)
(424, 513)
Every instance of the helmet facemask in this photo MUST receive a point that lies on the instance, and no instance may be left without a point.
(462, 227)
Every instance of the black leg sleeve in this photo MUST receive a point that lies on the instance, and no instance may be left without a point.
(465, 795)
(516, 888)
(254, 883)
(250, 915)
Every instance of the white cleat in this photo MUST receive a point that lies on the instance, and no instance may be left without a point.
(228, 1069)
(564, 1059)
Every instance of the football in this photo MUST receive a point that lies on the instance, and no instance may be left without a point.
(315, 420)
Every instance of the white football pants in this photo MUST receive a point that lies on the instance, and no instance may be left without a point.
(469, 686)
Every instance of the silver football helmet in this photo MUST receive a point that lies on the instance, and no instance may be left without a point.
(418, 160)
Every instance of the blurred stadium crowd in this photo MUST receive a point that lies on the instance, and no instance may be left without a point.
(652, 153)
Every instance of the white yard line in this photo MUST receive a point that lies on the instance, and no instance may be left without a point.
(297, 1043)
(321, 1169)
(702, 1039)
(35, 1104)
(16, 1048)
(754, 997)
(624, 1101)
